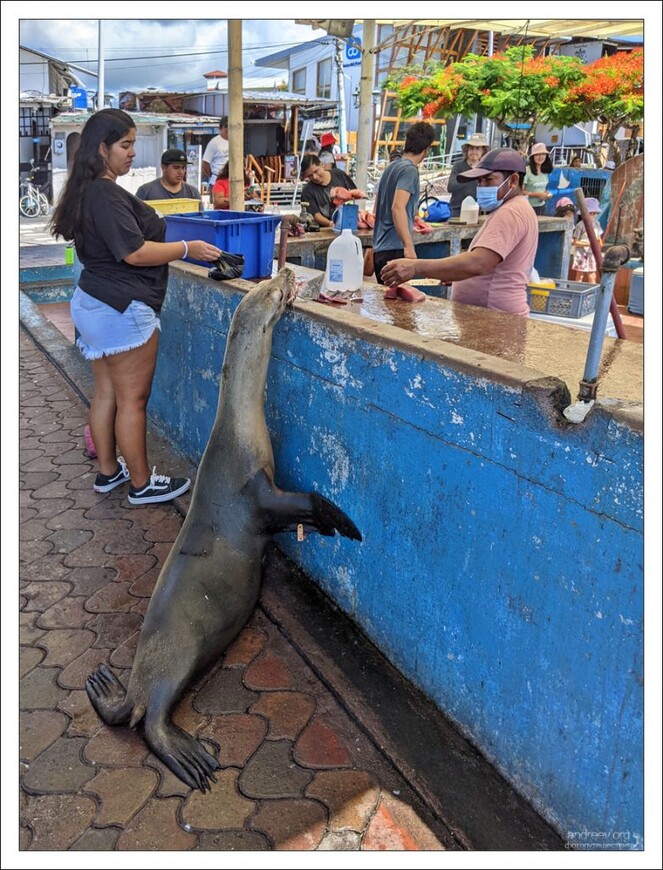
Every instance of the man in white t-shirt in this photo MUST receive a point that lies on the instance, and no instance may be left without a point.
(216, 153)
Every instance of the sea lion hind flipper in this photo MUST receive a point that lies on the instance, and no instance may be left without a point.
(284, 511)
(185, 756)
(108, 696)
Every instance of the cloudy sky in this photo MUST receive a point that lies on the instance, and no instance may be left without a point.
(168, 53)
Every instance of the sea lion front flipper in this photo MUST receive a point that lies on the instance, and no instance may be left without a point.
(108, 696)
(284, 511)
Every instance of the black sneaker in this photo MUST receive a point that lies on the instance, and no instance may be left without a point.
(104, 482)
(159, 488)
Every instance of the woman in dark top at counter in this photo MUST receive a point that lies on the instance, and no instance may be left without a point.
(120, 242)
(473, 150)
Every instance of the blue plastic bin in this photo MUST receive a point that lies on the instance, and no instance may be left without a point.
(238, 232)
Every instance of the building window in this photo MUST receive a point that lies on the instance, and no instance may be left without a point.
(34, 121)
(323, 88)
(299, 81)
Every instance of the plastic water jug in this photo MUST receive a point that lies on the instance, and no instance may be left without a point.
(469, 210)
(345, 263)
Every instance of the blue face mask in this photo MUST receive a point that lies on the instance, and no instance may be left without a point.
(487, 198)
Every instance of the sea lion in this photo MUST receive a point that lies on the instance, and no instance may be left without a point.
(209, 584)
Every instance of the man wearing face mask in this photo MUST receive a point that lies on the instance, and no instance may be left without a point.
(494, 272)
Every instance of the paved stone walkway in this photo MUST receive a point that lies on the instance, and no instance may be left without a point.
(297, 773)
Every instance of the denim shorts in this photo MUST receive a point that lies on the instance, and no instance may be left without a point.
(103, 331)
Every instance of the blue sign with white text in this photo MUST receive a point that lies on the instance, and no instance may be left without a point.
(352, 52)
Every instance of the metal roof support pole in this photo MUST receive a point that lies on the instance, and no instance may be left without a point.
(365, 121)
(340, 85)
(101, 81)
(235, 115)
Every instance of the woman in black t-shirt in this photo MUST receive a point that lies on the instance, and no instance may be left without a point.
(321, 182)
(120, 242)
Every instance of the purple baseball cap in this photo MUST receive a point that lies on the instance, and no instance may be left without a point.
(498, 160)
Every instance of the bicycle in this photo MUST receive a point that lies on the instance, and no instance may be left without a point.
(433, 186)
(31, 201)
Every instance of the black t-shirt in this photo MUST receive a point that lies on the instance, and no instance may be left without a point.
(114, 224)
(317, 196)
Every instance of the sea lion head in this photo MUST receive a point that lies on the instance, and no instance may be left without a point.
(262, 306)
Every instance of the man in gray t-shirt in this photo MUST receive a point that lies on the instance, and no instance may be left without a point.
(171, 185)
(398, 198)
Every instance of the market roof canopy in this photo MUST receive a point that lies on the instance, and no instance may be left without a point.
(547, 27)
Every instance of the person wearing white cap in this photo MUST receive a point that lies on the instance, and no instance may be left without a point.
(583, 261)
(473, 150)
(537, 176)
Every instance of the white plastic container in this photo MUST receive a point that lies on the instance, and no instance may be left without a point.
(469, 210)
(345, 263)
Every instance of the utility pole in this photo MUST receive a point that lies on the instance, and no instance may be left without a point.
(101, 83)
(365, 122)
(341, 96)
(235, 115)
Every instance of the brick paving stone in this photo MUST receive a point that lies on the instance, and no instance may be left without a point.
(121, 793)
(271, 773)
(113, 629)
(96, 840)
(28, 659)
(47, 508)
(34, 530)
(166, 530)
(87, 581)
(186, 716)
(22, 601)
(112, 598)
(169, 785)
(249, 643)
(38, 463)
(28, 632)
(287, 713)
(155, 828)
(36, 479)
(73, 519)
(160, 551)
(66, 540)
(224, 693)
(123, 655)
(64, 645)
(59, 768)
(340, 841)
(221, 807)
(237, 736)
(56, 489)
(67, 613)
(350, 795)
(75, 674)
(58, 820)
(30, 551)
(291, 824)
(143, 587)
(141, 606)
(39, 690)
(43, 595)
(50, 567)
(123, 542)
(37, 729)
(232, 841)
(74, 456)
(396, 827)
(83, 720)
(24, 838)
(25, 514)
(115, 747)
(25, 457)
(320, 746)
(268, 672)
(151, 515)
(90, 554)
(130, 568)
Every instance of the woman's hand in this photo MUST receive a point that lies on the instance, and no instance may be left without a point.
(199, 250)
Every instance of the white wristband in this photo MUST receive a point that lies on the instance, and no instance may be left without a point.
(186, 250)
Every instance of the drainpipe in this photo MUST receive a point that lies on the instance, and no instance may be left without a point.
(340, 85)
(365, 122)
(101, 81)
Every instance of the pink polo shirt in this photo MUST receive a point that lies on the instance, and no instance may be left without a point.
(513, 233)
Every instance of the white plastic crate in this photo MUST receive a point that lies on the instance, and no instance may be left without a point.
(567, 298)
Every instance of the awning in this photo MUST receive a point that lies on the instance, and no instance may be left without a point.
(592, 28)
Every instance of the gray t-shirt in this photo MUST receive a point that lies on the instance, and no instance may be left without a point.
(156, 190)
(400, 175)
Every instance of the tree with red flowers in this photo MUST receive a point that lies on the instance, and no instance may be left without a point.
(514, 89)
(611, 92)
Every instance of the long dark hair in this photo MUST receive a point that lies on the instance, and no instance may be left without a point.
(546, 166)
(107, 126)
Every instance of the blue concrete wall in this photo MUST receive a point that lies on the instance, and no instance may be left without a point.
(502, 562)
